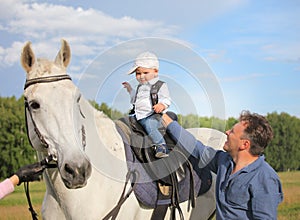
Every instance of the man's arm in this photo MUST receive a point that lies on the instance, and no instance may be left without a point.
(266, 199)
(187, 141)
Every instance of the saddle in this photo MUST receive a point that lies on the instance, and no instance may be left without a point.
(165, 182)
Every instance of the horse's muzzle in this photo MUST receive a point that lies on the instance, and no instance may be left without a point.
(75, 176)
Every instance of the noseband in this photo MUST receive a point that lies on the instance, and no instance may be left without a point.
(30, 82)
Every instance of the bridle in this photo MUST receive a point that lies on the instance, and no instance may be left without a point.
(37, 131)
(49, 158)
(30, 82)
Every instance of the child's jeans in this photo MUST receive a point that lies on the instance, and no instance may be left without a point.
(151, 125)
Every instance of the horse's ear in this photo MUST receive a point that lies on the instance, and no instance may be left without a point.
(27, 57)
(64, 55)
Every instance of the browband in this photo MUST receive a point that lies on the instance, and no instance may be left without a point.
(46, 79)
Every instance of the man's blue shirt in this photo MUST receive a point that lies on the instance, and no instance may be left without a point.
(253, 192)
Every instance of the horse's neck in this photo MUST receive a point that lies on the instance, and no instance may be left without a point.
(109, 135)
(101, 131)
(104, 145)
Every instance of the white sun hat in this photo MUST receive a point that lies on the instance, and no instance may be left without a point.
(146, 60)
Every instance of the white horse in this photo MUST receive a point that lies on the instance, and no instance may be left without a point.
(63, 124)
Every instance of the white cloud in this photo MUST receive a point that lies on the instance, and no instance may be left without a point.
(11, 55)
(216, 56)
(90, 30)
(10, 8)
(240, 78)
(40, 20)
(284, 52)
(87, 30)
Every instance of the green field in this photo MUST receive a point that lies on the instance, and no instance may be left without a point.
(289, 209)
(15, 207)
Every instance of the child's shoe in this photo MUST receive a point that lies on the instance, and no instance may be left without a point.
(161, 151)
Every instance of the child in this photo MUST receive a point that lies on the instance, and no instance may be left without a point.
(146, 71)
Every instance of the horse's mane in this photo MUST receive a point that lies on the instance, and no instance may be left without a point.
(107, 128)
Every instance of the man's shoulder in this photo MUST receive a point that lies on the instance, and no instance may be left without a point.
(266, 171)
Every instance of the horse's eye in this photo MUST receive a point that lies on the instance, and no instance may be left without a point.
(34, 105)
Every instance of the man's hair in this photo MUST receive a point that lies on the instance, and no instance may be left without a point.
(258, 131)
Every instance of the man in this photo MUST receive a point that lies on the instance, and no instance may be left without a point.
(247, 187)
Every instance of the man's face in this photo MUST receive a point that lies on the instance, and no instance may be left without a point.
(144, 75)
(234, 138)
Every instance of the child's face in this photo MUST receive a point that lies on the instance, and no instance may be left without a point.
(143, 75)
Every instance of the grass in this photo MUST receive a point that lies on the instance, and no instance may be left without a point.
(15, 207)
(289, 209)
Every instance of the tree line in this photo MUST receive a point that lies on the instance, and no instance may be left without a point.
(283, 153)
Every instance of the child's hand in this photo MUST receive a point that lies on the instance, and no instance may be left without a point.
(127, 86)
(159, 107)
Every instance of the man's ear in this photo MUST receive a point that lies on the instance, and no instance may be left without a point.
(246, 144)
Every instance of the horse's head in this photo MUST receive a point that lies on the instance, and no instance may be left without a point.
(55, 121)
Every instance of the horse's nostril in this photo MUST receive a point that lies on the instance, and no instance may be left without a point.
(69, 169)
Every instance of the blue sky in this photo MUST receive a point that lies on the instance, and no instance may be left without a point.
(252, 49)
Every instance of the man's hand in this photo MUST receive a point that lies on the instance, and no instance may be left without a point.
(166, 120)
